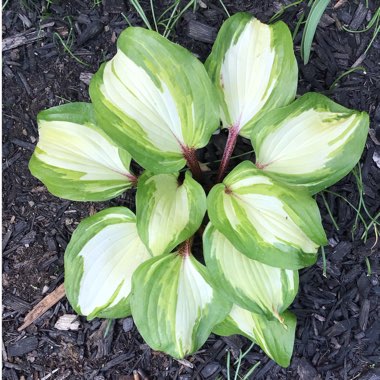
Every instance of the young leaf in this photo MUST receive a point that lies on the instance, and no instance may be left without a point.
(100, 259)
(265, 220)
(312, 22)
(75, 159)
(168, 212)
(173, 304)
(311, 143)
(248, 283)
(154, 98)
(254, 69)
(276, 339)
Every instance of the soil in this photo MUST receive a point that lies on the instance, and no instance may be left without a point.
(338, 333)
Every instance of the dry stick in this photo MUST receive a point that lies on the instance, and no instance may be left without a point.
(25, 38)
(43, 306)
(192, 163)
(233, 133)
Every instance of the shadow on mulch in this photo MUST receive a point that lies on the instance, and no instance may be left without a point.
(338, 334)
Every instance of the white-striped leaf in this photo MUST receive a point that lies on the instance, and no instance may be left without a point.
(274, 338)
(311, 143)
(254, 69)
(266, 220)
(75, 159)
(100, 259)
(248, 283)
(173, 304)
(168, 211)
(155, 99)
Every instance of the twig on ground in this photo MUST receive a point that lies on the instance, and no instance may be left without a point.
(44, 305)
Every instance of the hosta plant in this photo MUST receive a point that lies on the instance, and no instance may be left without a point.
(156, 104)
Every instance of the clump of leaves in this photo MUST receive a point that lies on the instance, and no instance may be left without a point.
(155, 103)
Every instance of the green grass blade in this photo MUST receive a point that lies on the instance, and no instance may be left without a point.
(371, 23)
(278, 14)
(347, 72)
(329, 212)
(249, 373)
(153, 15)
(312, 22)
(68, 50)
(141, 13)
(224, 8)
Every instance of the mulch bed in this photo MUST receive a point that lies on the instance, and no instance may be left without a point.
(338, 333)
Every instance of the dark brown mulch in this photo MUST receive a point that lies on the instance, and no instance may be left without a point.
(338, 334)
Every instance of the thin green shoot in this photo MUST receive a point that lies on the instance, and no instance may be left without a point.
(359, 183)
(249, 373)
(108, 328)
(370, 24)
(5, 4)
(312, 22)
(324, 262)
(167, 29)
(170, 25)
(96, 3)
(237, 363)
(375, 33)
(297, 27)
(329, 212)
(242, 356)
(238, 366)
(375, 222)
(228, 364)
(368, 264)
(126, 19)
(141, 13)
(347, 72)
(278, 14)
(224, 8)
(350, 204)
(68, 50)
(64, 99)
(166, 11)
(153, 15)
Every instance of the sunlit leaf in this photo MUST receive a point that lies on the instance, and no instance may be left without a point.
(100, 259)
(312, 143)
(169, 210)
(266, 220)
(275, 338)
(75, 159)
(254, 69)
(248, 283)
(154, 98)
(173, 304)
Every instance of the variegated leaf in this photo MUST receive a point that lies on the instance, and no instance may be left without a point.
(248, 283)
(275, 338)
(254, 69)
(100, 259)
(169, 210)
(312, 143)
(266, 220)
(154, 98)
(173, 304)
(75, 159)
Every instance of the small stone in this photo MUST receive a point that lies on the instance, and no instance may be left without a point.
(210, 370)
(127, 324)
(45, 289)
(67, 322)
